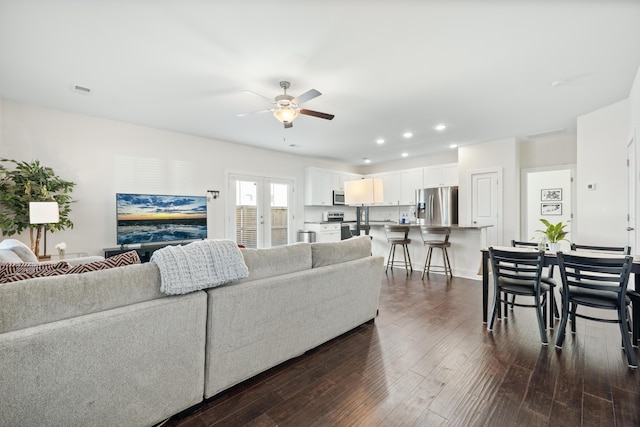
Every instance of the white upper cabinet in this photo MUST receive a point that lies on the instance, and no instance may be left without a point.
(347, 176)
(320, 184)
(410, 181)
(441, 175)
(318, 187)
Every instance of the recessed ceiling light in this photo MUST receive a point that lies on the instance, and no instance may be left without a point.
(367, 160)
(557, 83)
(405, 154)
(407, 134)
(379, 141)
(453, 145)
(440, 127)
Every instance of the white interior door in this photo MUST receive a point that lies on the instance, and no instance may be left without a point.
(486, 190)
(631, 196)
(548, 193)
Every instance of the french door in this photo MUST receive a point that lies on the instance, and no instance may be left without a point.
(260, 214)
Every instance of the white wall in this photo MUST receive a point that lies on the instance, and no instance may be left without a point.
(557, 150)
(411, 162)
(601, 159)
(634, 103)
(499, 154)
(104, 157)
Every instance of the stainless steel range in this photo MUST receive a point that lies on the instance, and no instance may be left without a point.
(337, 216)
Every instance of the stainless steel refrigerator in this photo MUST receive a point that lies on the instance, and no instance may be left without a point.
(437, 206)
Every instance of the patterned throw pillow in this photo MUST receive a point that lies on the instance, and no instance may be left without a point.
(12, 272)
(120, 260)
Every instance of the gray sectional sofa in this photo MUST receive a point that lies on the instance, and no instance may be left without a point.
(108, 348)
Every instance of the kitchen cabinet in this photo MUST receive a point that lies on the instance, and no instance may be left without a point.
(348, 176)
(320, 184)
(410, 181)
(441, 175)
(318, 189)
(325, 232)
(390, 187)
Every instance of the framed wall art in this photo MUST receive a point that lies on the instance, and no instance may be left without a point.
(551, 208)
(551, 194)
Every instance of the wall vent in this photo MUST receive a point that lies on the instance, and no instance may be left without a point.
(81, 89)
(546, 133)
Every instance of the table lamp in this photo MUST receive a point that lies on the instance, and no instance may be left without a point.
(362, 193)
(44, 213)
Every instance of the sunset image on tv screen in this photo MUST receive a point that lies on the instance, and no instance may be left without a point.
(147, 218)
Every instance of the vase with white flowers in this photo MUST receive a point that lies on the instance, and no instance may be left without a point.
(61, 247)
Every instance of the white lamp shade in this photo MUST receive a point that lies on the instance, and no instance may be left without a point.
(363, 192)
(44, 212)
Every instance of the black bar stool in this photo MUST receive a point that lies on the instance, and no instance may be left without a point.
(398, 235)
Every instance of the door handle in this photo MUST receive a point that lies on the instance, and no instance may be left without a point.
(630, 228)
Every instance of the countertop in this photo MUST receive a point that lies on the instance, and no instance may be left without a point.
(453, 227)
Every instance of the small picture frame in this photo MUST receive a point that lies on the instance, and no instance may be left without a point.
(551, 194)
(551, 209)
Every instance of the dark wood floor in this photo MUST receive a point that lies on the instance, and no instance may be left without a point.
(428, 360)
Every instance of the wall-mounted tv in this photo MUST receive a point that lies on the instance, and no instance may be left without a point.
(150, 218)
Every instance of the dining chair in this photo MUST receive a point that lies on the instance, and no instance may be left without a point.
(621, 250)
(546, 278)
(428, 234)
(398, 235)
(598, 283)
(518, 272)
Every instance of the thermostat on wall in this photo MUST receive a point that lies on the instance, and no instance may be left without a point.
(591, 186)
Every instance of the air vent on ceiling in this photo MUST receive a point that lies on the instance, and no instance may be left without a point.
(82, 90)
(546, 133)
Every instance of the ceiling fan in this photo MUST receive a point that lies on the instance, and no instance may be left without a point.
(286, 107)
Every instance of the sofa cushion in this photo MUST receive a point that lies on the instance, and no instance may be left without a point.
(276, 261)
(7, 255)
(12, 272)
(12, 268)
(127, 258)
(20, 249)
(328, 253)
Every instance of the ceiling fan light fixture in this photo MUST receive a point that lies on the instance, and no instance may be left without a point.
(285, 115)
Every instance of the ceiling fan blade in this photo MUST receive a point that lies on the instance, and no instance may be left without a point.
(270, 100)
(288, 125)
(253, 112)
(317, 114)
(308, 95)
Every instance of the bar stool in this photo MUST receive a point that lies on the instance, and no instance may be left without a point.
(425, 232)
(398, 235)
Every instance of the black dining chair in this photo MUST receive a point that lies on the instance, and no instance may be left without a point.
(518, 272)
(546, 278)
(599, 283)
(619, 250)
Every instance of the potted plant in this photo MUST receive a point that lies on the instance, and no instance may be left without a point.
(554, 234)
(31, 182)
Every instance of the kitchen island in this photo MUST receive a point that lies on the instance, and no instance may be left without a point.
(467, 241)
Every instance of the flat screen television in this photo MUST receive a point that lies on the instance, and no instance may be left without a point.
(150, 218)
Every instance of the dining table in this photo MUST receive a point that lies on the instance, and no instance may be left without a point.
(551, 259)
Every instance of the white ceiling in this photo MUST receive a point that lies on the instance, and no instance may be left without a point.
(484, 68)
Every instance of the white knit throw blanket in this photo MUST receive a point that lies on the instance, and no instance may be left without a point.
(199, 265)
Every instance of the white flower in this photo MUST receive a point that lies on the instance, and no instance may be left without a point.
(61, 246)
